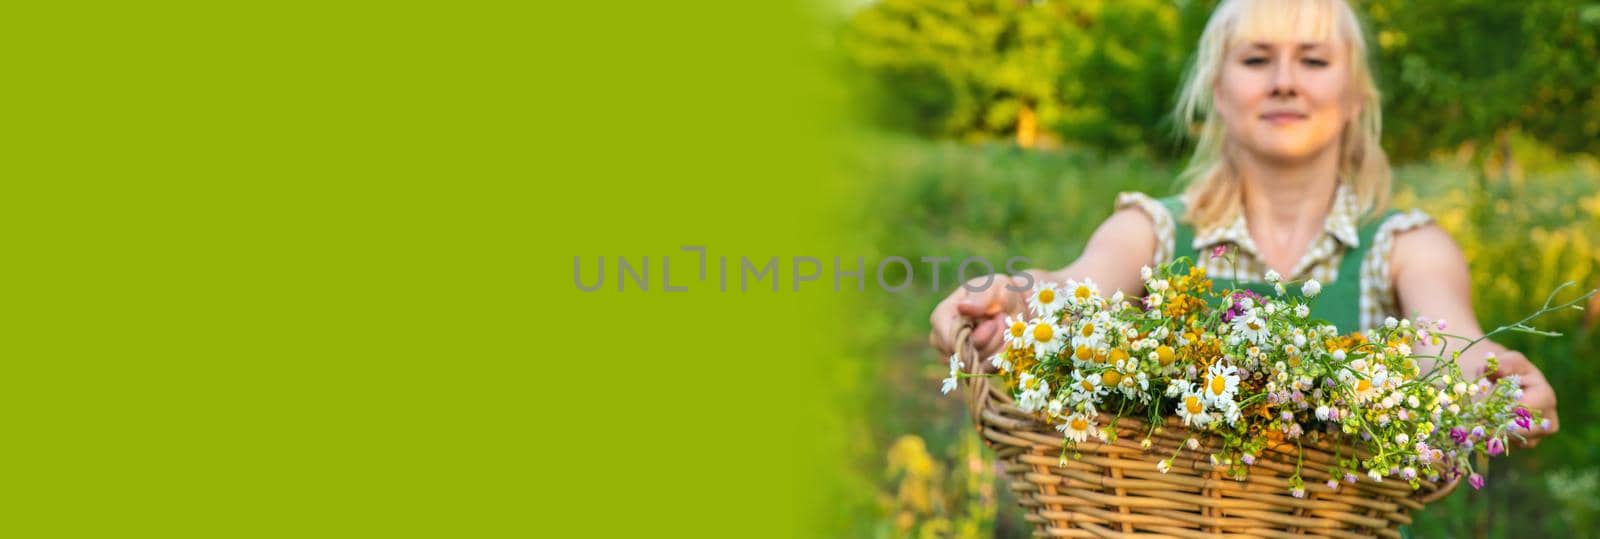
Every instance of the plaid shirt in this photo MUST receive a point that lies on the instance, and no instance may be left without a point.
(1320, 262)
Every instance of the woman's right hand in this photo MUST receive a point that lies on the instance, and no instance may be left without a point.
(985, 309)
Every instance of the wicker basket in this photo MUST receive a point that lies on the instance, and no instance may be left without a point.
(1114, 490)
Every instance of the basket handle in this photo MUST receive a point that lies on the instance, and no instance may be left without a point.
(978, 383)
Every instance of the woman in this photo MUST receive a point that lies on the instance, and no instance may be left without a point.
(1288, 177)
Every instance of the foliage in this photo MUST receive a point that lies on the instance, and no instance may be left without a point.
(977, 69)
(927, 498)
(1103, 73)
(1458, 71)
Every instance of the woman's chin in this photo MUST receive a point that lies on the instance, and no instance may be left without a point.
(1286, 150)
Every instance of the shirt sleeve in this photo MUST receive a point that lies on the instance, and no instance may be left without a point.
(1378, 298)
(1159, 217)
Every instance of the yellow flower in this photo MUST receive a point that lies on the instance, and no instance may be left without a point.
(1164, 354)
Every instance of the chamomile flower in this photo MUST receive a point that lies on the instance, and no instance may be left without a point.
(1089, 331)
(1192, 408)
(1084, 293)
(1222, 382)
(1086, 388)
(955, 369)
(1231, 413)
(1138, 388)
(1164, 354)
(1000, 362)
(1016, 333)
(1311, 288)
(1046, 300)
(1251, 327)
(1077, 427)
(1044, 337)
(1368, 385)
(1114, 377)
(1178, 387)
(1034, 393)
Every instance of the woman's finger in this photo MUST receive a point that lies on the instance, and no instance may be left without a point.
(945, 321)
(985, 330)
(986, 339)
(972, 309)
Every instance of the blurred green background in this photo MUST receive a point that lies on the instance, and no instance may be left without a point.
(1000, 128)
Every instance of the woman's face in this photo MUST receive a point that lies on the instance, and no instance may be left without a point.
(1284, 101)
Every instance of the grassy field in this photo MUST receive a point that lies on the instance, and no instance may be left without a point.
(1527, 224)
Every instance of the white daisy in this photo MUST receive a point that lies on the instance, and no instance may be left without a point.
(1086, 388)
(1077, 427)
(1367, 384)
(1179, 387)
(1250, 327)
(1231, 413)
(1088, 332)
(1192, 409)
(999, 361)
(1044, 337)
(1222, 382)
(1046, 299)
(1311, 288)
(1083, 293)
(955, 369)
(1016, 332)
(1034, 393)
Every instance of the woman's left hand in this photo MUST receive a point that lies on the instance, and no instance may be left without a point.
(1536, 392)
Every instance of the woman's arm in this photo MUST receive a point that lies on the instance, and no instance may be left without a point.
(1123, 243)
(1431, 278)
(1112, 257)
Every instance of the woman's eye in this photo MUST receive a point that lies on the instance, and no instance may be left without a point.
(1316, 62)
(1255, 61)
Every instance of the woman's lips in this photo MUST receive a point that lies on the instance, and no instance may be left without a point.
(1281, 118)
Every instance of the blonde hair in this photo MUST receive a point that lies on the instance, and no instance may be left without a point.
(1212, 189)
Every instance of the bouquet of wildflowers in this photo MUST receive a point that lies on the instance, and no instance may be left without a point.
(1248, 372)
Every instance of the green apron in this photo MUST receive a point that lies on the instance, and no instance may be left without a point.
(1339, 302)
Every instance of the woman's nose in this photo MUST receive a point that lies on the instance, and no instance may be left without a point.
(1283, 80)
